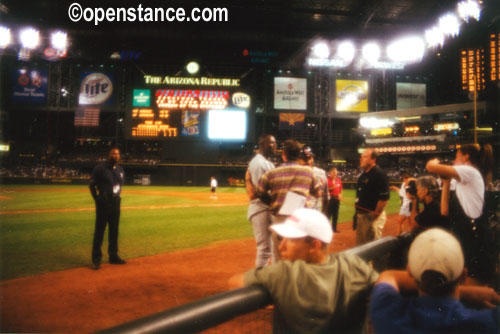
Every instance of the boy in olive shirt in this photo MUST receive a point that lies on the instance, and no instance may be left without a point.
(313, 292)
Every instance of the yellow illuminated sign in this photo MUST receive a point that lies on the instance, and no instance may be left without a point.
(409, 118)
(162, 113)
(445, 126)
(472, 69)
(412, 129)
(153, 129)
(352, 95)
(494, 57)
(142, 113)
(381, 132)
(405, 149)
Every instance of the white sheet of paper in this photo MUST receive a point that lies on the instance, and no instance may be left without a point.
(293, 201)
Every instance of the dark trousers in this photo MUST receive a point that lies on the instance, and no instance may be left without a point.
(333, 212)
(107, 212)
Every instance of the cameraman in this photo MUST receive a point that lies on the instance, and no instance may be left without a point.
(426, 190)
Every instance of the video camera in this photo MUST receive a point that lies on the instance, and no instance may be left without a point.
(412, 188)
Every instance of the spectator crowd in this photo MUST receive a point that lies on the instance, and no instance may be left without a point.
(449, 269)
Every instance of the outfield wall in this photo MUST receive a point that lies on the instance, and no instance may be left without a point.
(166, 177)
(161, 175)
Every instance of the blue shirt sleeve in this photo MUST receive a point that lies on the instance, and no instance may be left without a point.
(385, 302)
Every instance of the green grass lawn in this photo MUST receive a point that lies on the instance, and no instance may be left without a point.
(33, 243)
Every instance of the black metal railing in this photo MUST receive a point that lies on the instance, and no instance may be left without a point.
(211, 311)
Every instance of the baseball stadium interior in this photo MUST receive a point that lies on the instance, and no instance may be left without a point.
(425, 104)
(413, 80)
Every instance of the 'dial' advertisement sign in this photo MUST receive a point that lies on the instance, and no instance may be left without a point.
(290, 93)
(29, 86)
(410, 95)
(95, 89)
(352, 95)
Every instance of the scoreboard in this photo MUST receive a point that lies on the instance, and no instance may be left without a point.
(472, 69)
(152, 125)
(191, 99)
(158, 114)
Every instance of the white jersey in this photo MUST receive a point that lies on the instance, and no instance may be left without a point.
(470, 190)
(257, 167)
(405, 204)
(320, 174)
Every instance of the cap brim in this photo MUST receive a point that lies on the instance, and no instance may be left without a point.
(288, 230)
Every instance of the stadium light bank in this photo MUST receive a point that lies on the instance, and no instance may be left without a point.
(29, 40)
(400, 51)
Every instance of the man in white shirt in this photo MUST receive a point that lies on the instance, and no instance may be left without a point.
(213, 188)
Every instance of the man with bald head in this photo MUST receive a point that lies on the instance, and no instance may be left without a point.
(372, 195)
(258, 210)
(105, 187)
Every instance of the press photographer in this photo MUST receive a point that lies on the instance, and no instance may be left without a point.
(425, 190)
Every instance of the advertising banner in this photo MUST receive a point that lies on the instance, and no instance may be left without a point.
(95, 89)
(410, 95)
(142, 98)
(29, 86)
(292, 121)
(190, 123)
(352, 95)
(290, 93)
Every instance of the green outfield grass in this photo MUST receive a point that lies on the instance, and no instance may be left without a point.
(33, 243)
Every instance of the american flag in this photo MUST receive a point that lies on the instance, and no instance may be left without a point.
(87, 117)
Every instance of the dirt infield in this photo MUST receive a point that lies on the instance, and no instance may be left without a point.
(82, 300)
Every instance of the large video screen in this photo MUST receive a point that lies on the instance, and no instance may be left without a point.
(158, 114)
(227, 125)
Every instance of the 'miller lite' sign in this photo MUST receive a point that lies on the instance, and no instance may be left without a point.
(96, 88)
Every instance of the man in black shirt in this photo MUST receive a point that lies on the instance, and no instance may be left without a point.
(372, 195)
(105, 187)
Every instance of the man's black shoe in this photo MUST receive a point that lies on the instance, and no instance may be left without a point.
(96, 266)
(117, 260)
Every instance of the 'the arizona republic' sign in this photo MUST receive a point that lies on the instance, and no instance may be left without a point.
(96, 88)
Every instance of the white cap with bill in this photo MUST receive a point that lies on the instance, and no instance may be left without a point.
(438, 250)
(305, 222)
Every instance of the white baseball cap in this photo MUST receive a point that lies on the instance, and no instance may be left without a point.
(305, 222)
(438, 250)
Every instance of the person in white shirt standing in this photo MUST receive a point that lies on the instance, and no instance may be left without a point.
(213, 188)
(472, 167)
(405, 210)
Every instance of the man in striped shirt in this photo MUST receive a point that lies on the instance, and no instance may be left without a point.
(287, 186)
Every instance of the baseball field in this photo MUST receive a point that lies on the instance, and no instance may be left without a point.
(180, 245)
